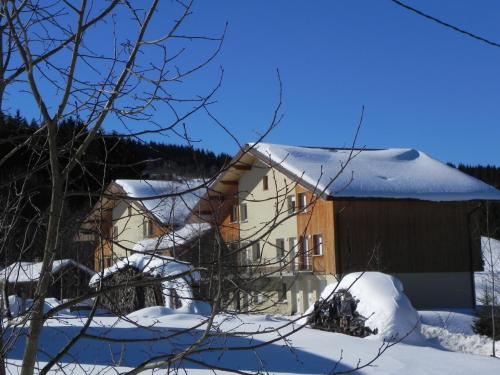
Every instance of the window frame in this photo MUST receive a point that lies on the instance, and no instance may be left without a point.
(280, 250)
(234, 215)
(291, 204)
(265, 183)
(256, 251)
(243, 212)
(147, 229)
(318, 250)
(302, 202)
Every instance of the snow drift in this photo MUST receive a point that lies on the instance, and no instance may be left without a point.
(382, 302)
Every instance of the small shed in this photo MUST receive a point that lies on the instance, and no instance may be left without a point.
(68, 279)
(145, 280)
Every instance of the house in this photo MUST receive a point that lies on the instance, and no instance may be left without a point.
(142, 215)
(304, 216)
(147, 280)
(69, 279)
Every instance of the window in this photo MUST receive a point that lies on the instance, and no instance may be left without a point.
(265, 183)
(318, 244)
(292, 243)
(280, 248)
(243, 253)
(129, 210)
(234, 213)
(243, 212)
(302, 202)
(304, 261)
(115, 231)
(291, 204)
(147, 228)
(282, 293)
(255, 252)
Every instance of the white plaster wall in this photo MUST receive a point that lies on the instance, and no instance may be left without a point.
(265, 205)
(130, 228)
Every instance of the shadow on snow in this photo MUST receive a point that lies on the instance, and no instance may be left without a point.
(271, 358)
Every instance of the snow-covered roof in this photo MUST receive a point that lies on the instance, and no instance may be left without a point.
(389, 173)
(23, 272)
(155, 265)
(176, 238)
(172, 210)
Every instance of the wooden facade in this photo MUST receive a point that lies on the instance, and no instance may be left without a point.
(406, 236)
(318, 219)
(221, 206)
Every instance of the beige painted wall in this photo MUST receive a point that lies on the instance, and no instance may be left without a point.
(130, 228)
(263, 206)
(303, 289)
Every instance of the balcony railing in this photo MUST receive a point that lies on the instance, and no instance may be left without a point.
(277, 269)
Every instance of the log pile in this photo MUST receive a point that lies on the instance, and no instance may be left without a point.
(338, 314)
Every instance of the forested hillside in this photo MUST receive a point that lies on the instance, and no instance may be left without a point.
(491, 175)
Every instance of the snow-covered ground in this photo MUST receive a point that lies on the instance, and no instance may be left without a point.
(452, 330)
(441, 342)
(308, 351)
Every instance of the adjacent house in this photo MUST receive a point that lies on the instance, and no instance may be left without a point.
(143, 216)
(305, 216)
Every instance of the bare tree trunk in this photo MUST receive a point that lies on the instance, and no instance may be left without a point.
(56, 204)
(3, 309)
(493, 276)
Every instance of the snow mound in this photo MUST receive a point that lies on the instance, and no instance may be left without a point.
(150, 313)
(19, 307)
(459, 342)
(156, 312)
(388, 173)
(382, 302)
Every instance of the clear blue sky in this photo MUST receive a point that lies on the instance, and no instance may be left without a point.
(422, 85)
